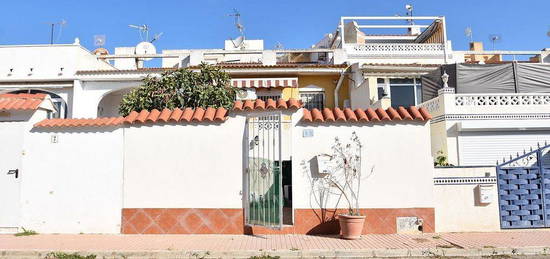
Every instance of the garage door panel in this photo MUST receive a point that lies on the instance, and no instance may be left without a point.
(485, 148)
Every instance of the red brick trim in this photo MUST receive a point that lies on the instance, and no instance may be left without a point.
(230, 221)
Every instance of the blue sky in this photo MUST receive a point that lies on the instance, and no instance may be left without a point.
(296, 24)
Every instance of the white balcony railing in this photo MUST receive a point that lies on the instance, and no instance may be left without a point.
(432, 105)
(501, 99)
(395, 49)
(471, 104)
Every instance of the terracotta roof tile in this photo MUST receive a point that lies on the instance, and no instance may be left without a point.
(269, 104)
(142, 116)
(350, 115)
(21, 101)
(361, 115)
(187, 114)
(328, 114)
(209, 114)
(165, 114)
(339, 114)
(394, 115)
(371, 115)
(404, 113)
(364, 115)
(176, 115)
(221, 113)
(198, 115)
(153, 115)
(415, 113)
(382, 114)
(109, 121)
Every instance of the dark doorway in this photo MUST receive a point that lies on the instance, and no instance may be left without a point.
(287, 193)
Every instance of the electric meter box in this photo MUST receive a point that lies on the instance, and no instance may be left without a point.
(485, 193)
(324, 164)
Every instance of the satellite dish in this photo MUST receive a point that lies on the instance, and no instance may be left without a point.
(145, 48)
(238, 42)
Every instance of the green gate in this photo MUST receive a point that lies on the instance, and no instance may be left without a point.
(263, 180)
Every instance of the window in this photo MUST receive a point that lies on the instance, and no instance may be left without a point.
(312, 100)
(402, 91)
(265, 94)
(58, 102)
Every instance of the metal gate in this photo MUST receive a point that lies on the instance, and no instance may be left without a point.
(524, 190)
(263, 178)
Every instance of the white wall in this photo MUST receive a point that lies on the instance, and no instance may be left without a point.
(88, 95)
(399, 155)
(74, 185)
(190, 165)
(457, 208)
(46, 62)
(184, 165)
(82, 182)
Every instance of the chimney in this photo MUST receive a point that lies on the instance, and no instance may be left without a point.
(476, 46)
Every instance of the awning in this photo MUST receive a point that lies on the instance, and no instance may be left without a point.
(265, 82)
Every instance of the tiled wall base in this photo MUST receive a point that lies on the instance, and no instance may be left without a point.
(230, 221)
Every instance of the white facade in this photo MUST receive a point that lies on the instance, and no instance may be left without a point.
(79, 179)
(48, 68)
(481, 129)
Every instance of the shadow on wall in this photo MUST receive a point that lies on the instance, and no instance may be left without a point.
(477, 202)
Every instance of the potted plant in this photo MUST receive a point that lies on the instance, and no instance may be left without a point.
(346, 177)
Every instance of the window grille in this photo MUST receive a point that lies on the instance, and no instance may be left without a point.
(313, 100)
(266, 97)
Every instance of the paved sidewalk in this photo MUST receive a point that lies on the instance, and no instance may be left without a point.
(472, 245)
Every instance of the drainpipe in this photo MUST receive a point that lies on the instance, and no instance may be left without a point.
(338, 85)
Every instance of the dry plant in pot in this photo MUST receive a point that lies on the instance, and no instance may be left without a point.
(345, 176)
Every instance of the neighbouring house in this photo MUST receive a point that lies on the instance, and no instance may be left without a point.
(488, 112)
(251, 169)
(48, 69)
(378, 64)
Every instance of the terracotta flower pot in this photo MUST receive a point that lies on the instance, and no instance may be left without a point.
(351, 227)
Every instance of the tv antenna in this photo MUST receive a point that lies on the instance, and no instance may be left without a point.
(239, 41)
(494, 38)
(409, 8)
(143, 30)
(99, 40)
(238, 23)
(52, 26)
(469, 33)
(156, 37)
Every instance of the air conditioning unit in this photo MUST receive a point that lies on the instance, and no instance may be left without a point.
(247, 94)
